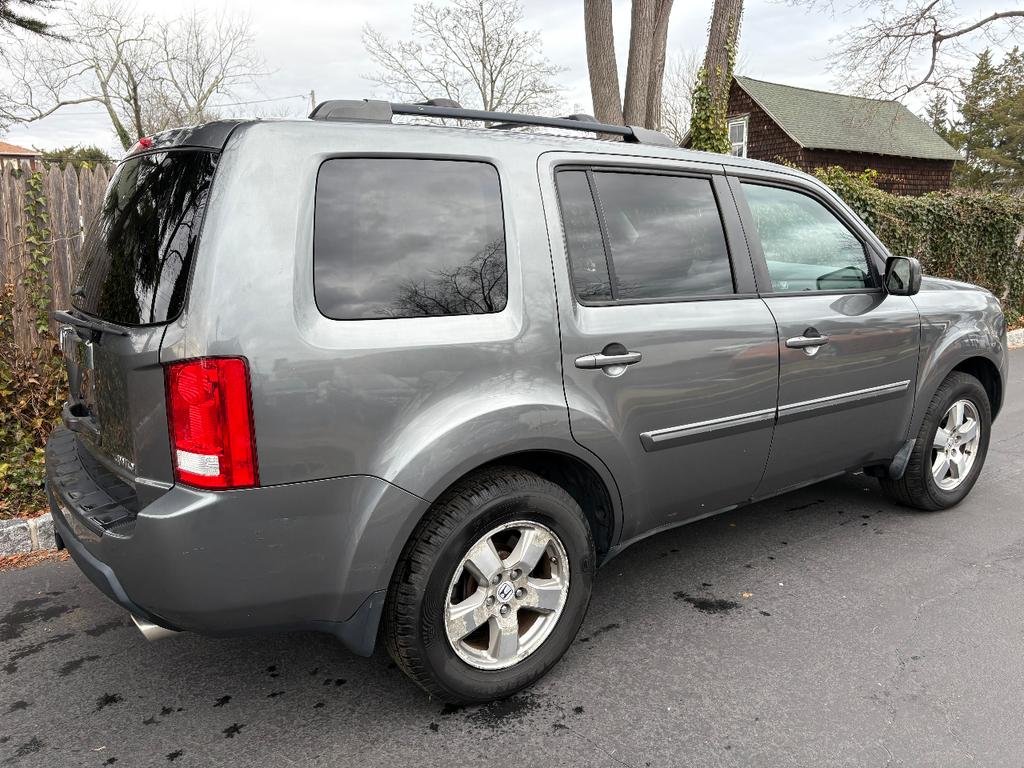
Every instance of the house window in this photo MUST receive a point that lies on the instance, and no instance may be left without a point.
(738, 136)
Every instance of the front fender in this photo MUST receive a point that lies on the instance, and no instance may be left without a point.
(957, 324)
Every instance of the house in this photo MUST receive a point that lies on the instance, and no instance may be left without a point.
(11, 156)
(815, 129)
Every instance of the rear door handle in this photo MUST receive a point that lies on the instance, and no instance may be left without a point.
(601, 360)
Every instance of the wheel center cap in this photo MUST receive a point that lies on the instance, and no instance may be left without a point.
(505, 591)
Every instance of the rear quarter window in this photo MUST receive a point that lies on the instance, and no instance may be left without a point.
(398, 237)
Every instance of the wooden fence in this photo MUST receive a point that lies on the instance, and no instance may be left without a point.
(72, 199)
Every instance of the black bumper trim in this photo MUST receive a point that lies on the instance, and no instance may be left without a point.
(98, 572)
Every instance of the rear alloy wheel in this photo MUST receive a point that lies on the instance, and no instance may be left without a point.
(950, 448)
(491, 588)
(507, 595)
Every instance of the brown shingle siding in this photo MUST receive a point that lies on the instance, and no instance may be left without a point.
(765, 139)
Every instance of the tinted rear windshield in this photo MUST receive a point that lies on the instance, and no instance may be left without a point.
(139, 248)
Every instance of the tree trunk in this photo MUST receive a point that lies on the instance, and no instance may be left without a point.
(657, 78)
(638, 71)
(720, 55)
(604, 73)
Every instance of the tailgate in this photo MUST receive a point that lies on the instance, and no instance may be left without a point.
(138, 256)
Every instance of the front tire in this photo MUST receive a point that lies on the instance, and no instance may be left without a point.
(950, 449)
(491, 588)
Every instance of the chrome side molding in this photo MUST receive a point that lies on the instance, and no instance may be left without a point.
(670, 437)
(657, 439)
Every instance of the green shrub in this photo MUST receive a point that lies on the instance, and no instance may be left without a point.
(960, 234)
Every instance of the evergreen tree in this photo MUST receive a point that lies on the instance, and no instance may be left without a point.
(936, 113)
(77, 156)
(990, 132)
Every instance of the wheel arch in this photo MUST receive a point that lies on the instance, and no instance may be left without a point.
(982, 367)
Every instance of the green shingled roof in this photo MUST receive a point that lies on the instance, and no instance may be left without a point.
(820, 120)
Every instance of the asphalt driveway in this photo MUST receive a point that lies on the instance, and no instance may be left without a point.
(823, 628)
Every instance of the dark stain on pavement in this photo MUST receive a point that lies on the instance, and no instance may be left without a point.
(233, 730)
(172, 756)
(106, 700)
(27, 612)
(30, 650)
(74, 664)
(598, 632)
(20, 704)
(30, 747)
(501, 714)
(708, 604)
(222, 701)
(102, 629)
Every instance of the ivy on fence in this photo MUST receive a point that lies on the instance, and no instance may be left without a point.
(32, 384)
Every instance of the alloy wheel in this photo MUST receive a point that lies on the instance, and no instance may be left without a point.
(507, 595)
(955, 445)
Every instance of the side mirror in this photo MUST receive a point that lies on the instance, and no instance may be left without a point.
(902, 275)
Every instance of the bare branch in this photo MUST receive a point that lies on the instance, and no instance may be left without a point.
(472, 51)
(899, 50)
(148, 76)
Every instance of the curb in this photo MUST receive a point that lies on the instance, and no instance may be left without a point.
(20, 536)
(1015, 338)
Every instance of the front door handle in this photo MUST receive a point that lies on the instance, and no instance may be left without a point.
(805, 342)
(602, 360)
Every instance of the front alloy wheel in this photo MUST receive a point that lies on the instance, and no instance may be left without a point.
(955, 445)
(950, 447)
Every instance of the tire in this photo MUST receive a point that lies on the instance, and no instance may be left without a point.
(918, 487)
(427, 583)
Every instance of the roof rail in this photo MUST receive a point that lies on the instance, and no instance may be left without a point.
(371, 111)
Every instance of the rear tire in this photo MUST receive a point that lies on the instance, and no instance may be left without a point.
(944, 464)
(449, 563)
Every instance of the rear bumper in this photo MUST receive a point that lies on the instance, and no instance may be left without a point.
(315, 555)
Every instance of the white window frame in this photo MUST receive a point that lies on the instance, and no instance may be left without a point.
(742, 146)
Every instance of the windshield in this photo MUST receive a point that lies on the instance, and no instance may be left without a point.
(139, 247)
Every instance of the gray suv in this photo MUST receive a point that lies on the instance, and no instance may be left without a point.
(421, 380)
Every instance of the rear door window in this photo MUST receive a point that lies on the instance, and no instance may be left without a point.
(139, 248)
(397, 237)
(663, 236)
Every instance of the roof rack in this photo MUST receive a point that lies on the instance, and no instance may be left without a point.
(372, 111)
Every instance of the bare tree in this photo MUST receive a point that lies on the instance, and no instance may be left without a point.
(680, 79)
(708, 127)
(147, 76)
(12, 16)
(472, 51)
(202, 59)
(641, 104)
(904, 47)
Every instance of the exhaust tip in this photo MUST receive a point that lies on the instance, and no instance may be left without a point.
(151, 631)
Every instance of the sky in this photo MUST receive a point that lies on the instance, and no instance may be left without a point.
(316, 45)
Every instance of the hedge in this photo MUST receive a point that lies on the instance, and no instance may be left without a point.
(961, 234)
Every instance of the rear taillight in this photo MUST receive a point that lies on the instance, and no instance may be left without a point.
(209, 415)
